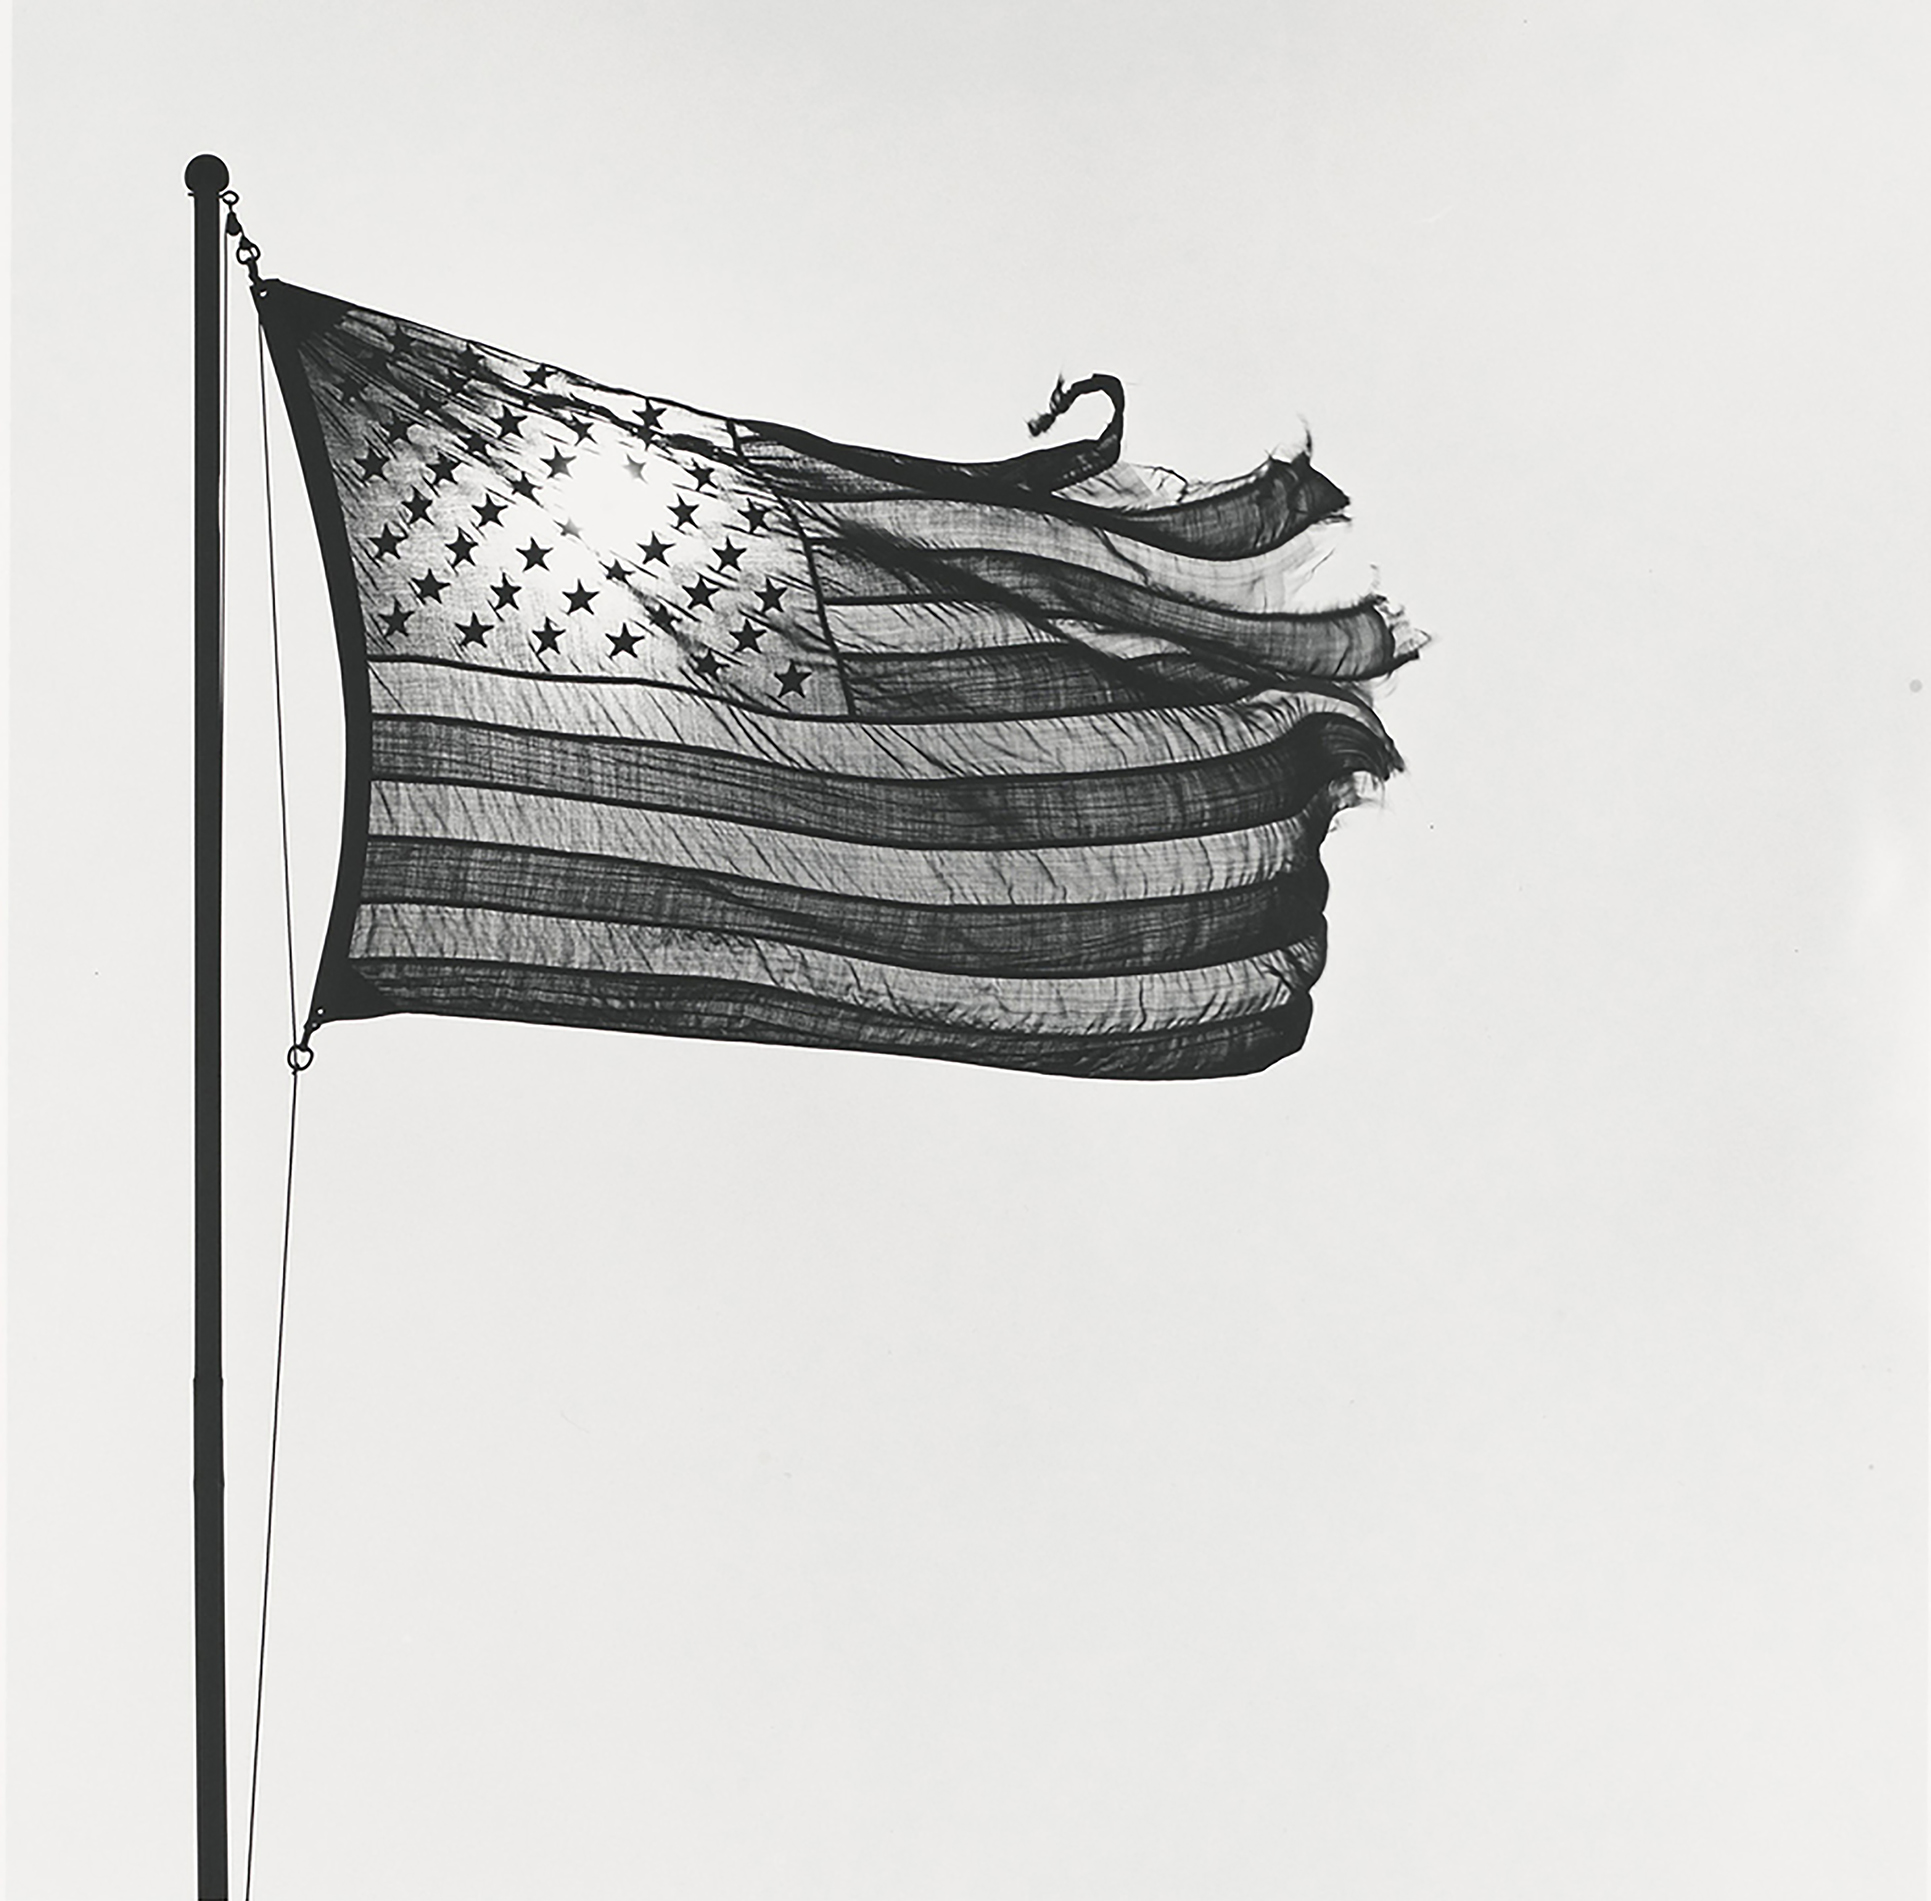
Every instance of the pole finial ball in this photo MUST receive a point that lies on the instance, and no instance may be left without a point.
(206, 173)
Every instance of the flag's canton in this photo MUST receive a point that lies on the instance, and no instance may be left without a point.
(506, 516)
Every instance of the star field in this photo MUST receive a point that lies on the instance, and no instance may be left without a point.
(501, 513)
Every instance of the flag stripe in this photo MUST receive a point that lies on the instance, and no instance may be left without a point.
(1019, 940)
(1103, 1005)
(1320, 571)
(1040, 682)
(1242, 514)
(899, 629)
(903, 627)
(1354, 643)
(743, 1013)
(1042, 875)
(1100, 743)
(1041, 473)
(1213, 795)
(1245, 514)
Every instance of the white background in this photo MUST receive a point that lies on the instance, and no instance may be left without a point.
(1482, 1457)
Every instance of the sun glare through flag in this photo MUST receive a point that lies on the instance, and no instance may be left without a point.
(664, 721)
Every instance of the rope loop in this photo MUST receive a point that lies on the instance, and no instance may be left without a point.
(299, 1057)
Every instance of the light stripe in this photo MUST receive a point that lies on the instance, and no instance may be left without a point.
(1048, 875)
(1130, 489)
(1121, 741)
(699, 1006)
(1347, 642)
(1067, 940)
(1216, 795)
(864, 628)
(1318, 571)
(1154, 1000)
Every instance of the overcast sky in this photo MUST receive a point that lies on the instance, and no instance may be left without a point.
(1481, 1457)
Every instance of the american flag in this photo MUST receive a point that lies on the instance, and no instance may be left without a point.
(661, 720)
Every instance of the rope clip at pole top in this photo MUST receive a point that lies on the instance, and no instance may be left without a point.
(247, 251)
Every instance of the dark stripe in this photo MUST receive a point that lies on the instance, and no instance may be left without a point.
(749, 1013)
(1072, 940)
(1224, 794)
(1249, 517)
(1271, 507)
(1027, 683)
(787, 456)
(1350, 643)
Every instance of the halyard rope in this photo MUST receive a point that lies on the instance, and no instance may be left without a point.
(298, 1057)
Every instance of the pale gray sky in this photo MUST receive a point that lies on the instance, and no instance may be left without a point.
(1480, 1458)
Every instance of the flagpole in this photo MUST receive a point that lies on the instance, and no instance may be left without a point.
(207, 179)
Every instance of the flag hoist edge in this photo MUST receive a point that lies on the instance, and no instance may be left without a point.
(665, 721)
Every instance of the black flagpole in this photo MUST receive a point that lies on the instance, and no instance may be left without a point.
(207, 179)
